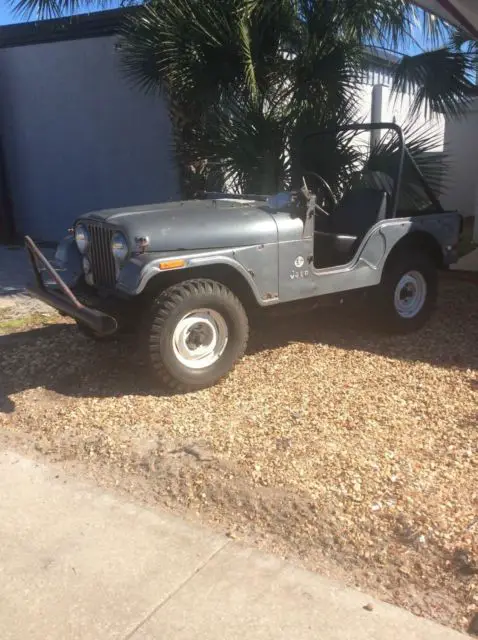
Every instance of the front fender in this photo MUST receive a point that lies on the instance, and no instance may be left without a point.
(141, 269)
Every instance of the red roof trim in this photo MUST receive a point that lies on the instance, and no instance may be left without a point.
(459, 17)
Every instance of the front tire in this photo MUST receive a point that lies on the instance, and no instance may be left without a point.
(194, 334)
(408, 292)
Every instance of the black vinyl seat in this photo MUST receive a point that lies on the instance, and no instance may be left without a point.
(338, 236)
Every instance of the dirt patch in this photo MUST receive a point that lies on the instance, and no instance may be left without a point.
(351, 453)
(13, 320)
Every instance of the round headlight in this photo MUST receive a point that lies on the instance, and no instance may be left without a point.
(119, 246)
(82, 238)
(86, 265)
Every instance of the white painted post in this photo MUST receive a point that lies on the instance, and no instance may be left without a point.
(377, 100)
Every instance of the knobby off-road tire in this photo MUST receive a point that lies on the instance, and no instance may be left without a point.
(407, 295)
(194, 333)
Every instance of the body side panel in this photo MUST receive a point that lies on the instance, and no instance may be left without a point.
(284, 271)
(296, 255)
(366, 267)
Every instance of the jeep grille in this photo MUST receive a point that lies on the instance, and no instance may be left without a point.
(102, 260)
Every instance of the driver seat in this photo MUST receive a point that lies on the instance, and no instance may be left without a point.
(342, 232)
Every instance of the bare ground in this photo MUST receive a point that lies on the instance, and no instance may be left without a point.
(351, 453)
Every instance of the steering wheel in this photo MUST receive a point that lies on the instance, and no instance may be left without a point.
(326, 189)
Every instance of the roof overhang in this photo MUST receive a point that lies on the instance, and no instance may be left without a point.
(463, 13)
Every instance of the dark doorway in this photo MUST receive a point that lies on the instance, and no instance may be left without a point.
(7, 225)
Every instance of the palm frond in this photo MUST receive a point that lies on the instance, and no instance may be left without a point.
(423, 143)
(45, 9)
(247, 140)
(441, 80)
(190, 46)
(433, 30)
(460, 40)
(325, 66)
(249, 77)
(248, 58)
(334, 154)
(142, 61)
(379, 21)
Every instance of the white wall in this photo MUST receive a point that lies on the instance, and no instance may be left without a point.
(461, 140)
(398, 109)
(77, 136)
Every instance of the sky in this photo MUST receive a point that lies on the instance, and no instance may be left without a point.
(7, 16)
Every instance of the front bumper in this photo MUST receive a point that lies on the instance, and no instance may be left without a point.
(61, 297)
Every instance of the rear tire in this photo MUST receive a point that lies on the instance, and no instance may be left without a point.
(408, 292)
(194, 334)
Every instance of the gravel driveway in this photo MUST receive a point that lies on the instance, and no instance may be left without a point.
(352, 453)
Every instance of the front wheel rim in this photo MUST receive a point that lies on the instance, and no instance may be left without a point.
(410, 294)
(200, 338)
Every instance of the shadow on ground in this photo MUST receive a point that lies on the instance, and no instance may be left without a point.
(450, 339)
(59, 359)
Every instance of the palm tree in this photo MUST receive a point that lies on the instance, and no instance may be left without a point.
(245, 79)
(250, 77)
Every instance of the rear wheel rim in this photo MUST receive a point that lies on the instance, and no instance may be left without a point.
(410, 295)
(200, 338)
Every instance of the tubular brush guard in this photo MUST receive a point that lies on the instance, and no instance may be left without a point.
(62, 298)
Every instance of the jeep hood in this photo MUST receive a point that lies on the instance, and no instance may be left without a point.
(192, 225)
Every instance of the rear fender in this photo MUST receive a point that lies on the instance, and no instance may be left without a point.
(439, 234)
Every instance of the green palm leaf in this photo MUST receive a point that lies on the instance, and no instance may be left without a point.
(441, 80)
(45, 9)
(246, 141)
(422, 144)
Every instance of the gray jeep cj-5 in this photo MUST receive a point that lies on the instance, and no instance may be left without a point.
(187, 275)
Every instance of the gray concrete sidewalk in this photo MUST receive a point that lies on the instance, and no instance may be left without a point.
(14, 270)
(77, 563)
(14, 276)
(467, 263)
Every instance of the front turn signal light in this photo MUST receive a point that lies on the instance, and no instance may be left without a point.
(172, 264)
